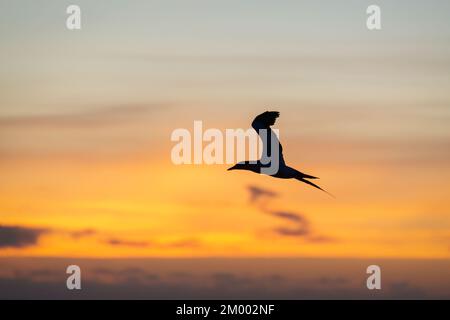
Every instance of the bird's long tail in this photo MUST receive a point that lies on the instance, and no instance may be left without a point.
(302, 179)
(307, 176)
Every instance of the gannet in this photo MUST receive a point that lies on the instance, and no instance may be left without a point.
(262, 124)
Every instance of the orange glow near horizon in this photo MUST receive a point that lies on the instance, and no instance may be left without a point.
(157, 209)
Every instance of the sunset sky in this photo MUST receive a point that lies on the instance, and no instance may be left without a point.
(86, 118)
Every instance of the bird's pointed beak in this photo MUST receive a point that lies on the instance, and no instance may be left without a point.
(231, 168)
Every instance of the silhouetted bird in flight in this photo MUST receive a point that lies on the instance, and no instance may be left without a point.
(263, 122)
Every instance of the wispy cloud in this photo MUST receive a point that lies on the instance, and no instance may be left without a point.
(127, 243)
(295, 217)
(19, 237)
(179, 243)
(91, 117)
(257, 193)
(300, 225)
(82, 233)
(183, 243)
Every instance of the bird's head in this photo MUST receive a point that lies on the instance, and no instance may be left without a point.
(237, 166)
(243, 166)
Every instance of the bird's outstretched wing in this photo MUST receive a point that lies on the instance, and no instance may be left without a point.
(264, 121)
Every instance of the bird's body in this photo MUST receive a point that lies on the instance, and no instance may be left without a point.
(263, 122)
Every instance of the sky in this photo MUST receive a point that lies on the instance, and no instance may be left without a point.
(86, 118)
